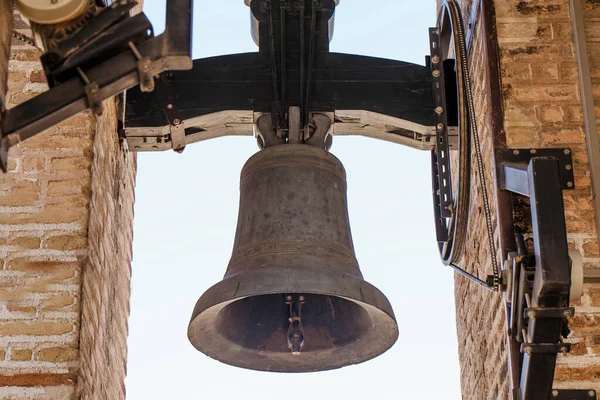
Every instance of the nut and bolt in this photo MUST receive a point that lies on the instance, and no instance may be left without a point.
(568, 167)
(439, 110)
(516, 152)
(176, 121)
(436, 73)
(592, 393)
(564, 350)
(555, 393)
(531, 314)
(528, 350)
(570, 184)
(170, 106)
(533, 151)
(435, 59)
(440, 126)
(567, 151)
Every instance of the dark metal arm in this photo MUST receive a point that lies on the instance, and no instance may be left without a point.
(539, 304)
(169, 51)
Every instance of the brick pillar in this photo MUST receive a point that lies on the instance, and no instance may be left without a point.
(66, 210)
(536, 104)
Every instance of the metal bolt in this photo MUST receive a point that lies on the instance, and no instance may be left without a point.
(289, 298)
(533, 151)
(567, 151)
(436, 73)
(564, 350)
(570, 184)
(170, 106)
(592, 393)
(440, 126)
(528, 350)
(176, 121)
(516, 152)
(531, 314)
(568, 314)
(439, 110)
(555, 393)
(301, 298)
(435, 59)
(568, 167)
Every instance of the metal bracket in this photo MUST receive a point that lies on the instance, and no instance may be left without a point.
(523, 156)
(569, 394)
(444, 86)
(144, 66)
(94, 101)
(545, 348)
(178, 136)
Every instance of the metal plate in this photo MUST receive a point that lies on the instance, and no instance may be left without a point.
(523, 156)
(564, 394)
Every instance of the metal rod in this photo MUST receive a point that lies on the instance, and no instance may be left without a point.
(471, 277)
(311, 60)
(587, 100)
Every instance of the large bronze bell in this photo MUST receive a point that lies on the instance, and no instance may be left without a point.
(293, 298)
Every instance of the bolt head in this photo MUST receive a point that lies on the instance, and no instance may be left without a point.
(176, 121)
(435, 59)
(440, 126)
(531, 314)
(516, 152)
(570, 184)
(567, 151)
(568, 167)
(439, 110)
(533, 151)
(592, 393)
(555, 393)
(437, 73)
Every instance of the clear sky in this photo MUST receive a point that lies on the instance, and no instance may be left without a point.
(185, 218)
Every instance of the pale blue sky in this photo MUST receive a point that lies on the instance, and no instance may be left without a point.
(185, 217)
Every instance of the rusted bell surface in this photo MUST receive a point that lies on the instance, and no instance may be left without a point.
(293, 298)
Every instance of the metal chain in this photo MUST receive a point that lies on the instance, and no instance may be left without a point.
(25, 39)
(459, 30)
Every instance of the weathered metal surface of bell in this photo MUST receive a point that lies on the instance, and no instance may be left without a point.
(293, 298)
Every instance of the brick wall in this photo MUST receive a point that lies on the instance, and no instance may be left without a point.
(541, 107)
(65, 248)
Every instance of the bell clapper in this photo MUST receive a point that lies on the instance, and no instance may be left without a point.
(295, 332)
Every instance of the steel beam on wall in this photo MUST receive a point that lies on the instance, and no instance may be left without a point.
(587, 100)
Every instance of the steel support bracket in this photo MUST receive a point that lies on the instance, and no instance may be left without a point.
(515, 157)
(542, 302)
(146, 76)
(93, 99)
(568, 394)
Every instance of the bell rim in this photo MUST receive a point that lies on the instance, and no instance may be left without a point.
(382, 334)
